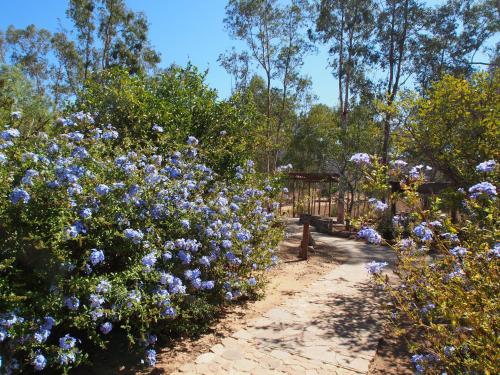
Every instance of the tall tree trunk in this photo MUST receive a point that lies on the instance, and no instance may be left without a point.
(268, 121)
(107, 37)
(343, 120)
(395, 65)
(387, 120)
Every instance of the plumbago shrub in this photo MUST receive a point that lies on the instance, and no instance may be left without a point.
(449, 276)
(96, 239)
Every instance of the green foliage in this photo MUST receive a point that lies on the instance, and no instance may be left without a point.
(179, 101)
(18, 94)
(454, 126)
(448, 282)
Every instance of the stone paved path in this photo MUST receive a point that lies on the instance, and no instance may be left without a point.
(332, 327)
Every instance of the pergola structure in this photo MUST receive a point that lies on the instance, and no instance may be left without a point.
(311, 193)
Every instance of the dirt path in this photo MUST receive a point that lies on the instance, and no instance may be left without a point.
(333, 326)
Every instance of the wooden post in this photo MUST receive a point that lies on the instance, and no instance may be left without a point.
(329, 198)
(305, 241)
(293, 198)
(309, 199)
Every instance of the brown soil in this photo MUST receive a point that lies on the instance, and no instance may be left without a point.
(392, 356)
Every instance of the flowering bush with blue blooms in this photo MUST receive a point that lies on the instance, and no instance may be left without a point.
(449, 276)
(97, 238)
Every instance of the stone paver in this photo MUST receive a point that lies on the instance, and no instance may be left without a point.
(332, 327)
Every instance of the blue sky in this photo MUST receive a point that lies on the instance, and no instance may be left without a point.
(181, 31)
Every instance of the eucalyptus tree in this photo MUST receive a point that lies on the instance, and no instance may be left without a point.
(81, 12)
(29, 49)
(454, 34)
(107, 34)
(398, 25)
(276, 45)
(347, 28)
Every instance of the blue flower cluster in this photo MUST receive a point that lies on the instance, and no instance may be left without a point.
(375, 267)
(361, 159)
(486, 166)
(124, 231)
(483, 188)
(370, 235)
(377, 205)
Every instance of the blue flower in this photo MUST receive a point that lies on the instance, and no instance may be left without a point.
(96, 256)
(458, 251)
(243, 235)
(19, 194)
(184, 257)
(3, 334)
(39, 362)
(82, 116)
(135, 235)
(80, 152)
(208, 284)
(483, 188)
(41, 336)
(149, 260)
(10, 133)
(96, 300)
(75, 189)
(377, 205)
(424, 233)
(16, 115)
(448, 350)
(192, 141)
(233, 259)
(375, 267)
(169, 311)
(204, 261)
(399, 163)
(102, 189)
(76, 136)
(361, 158)
(64, 122)
(110, 134)
(427, 308)
(133, 296)
(66, 358)
(67, 342)
(252, 281)
(151, 357)
(48, 323)
(85, 213)
(176, 287)
(72, 303)
(486, 166)
(166, 278)
(226, 244)
(103, 287)
(106, 327)
(3, 158)
(157, 128)
(77, 228)
(370, 235)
